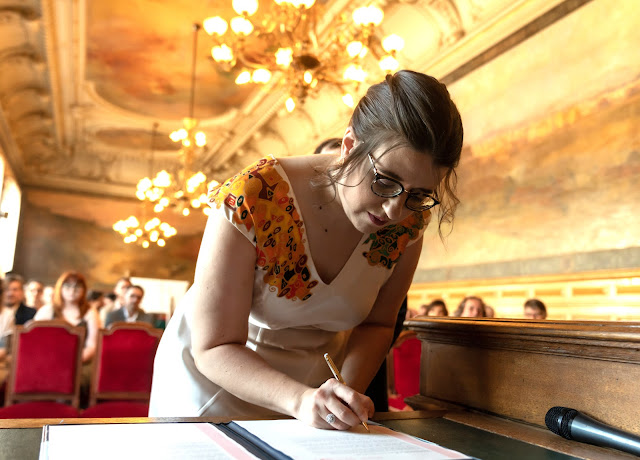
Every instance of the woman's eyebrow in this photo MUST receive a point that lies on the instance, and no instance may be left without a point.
(386, 173)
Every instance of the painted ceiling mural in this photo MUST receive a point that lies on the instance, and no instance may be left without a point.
(139, 58)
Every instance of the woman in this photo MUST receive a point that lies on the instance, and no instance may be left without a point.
(70, 304)
(312, 254)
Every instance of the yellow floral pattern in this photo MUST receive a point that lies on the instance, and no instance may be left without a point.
(259, 199)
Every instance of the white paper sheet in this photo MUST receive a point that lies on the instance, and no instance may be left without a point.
(157, 441)
(301, 441)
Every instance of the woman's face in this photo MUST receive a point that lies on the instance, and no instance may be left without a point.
(369, 212)
(72, 290)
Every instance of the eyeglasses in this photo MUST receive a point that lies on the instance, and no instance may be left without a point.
(387, 187)
(72, 285)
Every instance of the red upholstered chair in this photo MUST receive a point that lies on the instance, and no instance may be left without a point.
(44, 370)
(406, 371)
(123, 367)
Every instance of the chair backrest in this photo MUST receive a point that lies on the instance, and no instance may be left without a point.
(46, 362)
(123, 365)
(406, 367)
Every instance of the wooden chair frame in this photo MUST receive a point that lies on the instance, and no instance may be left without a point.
(11, 397)
(95, 395)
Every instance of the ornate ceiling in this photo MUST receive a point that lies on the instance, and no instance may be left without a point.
(83, 81)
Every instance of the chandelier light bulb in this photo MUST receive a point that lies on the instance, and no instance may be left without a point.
(241, 26)
(355, 73)
(215, 25)
(308, 3)
(140, 195)
(284, 57)
(222, 53)
(261, 76)
(393, 43)
(348, 100)
(206, 210)
(243, 78)
(368, 16)
(158, 208)
(242, 7)
(202, 198)
(308, 77)
(145, 244)
(161, 243)
(213, 183)
(185, 212)
(290, 104)
(389, 64)
(354, 48)
(201, 139)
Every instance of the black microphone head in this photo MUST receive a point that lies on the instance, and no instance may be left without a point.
(558, 420)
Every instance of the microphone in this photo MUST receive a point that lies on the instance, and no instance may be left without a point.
(571, 424)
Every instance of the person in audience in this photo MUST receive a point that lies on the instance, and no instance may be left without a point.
(471, 307)
(7, 319)
(435, 308)
(47, 295)
(119, 289)
(489, 312)
(331, 145)
(70, 304)
(95, 298)
(33, 294)
(248, 337)
(131, 311)
(14, 299)
(535, 309)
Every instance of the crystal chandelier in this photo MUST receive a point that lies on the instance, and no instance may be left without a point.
(153, 230)
(284, 39)
(185, 189)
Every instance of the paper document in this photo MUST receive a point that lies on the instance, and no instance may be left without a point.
(300, 441)
(157, 441)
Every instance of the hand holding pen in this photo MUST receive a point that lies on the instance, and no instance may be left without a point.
(336, 373)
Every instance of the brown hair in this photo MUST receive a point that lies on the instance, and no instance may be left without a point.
(414, 110)
(58, 303)
(460, 308)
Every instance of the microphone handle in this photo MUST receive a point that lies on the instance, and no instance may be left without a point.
(585, 429)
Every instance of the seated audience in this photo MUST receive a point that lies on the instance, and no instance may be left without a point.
(95, 299)
(119, 289)
(14, 299)
(70, 304)
(33, 294)
(435, 308)
(471, 307)
(535, 309)
(131, 311)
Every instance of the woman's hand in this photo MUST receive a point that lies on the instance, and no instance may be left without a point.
(349, 407)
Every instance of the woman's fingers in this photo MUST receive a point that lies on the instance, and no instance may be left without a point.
(348, 407)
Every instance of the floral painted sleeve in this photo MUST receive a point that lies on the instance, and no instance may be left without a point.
(258, 202)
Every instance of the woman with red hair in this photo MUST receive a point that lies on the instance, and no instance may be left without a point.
(70, 304)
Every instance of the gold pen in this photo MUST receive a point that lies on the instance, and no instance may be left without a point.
(336, 374)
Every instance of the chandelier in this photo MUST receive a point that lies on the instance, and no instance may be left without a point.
(185, 189)
(153, 230)
(284, 39)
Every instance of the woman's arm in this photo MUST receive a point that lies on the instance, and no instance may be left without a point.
(369, 342)
(222, 291)
(93, 325)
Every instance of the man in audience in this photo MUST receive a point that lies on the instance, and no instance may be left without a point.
(14, 299)
(33, 294)
(471, 307)
(535, 309)
(119, 290)
(131, 311)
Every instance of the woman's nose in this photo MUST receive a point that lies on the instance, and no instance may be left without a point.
(394, 207)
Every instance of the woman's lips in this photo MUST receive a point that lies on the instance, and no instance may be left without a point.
(376, 221)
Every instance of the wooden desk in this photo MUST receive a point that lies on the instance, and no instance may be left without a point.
(20, 439)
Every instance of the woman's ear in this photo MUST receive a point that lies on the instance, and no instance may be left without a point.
(348, 142)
